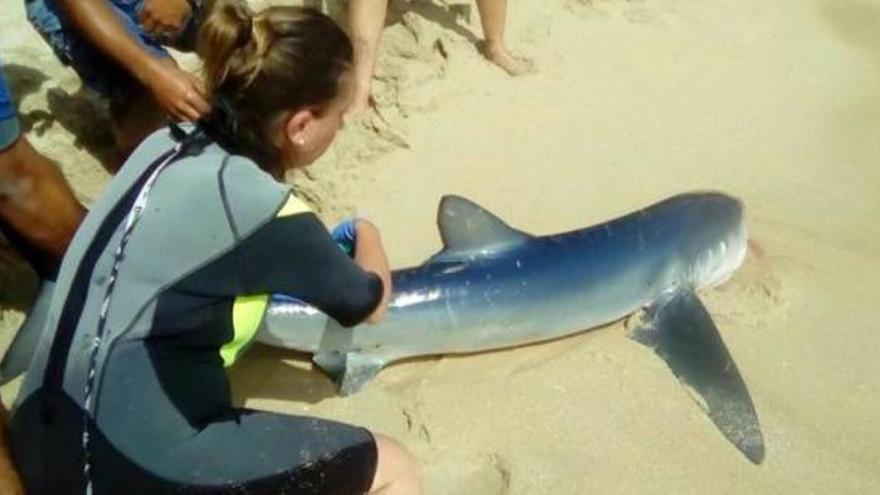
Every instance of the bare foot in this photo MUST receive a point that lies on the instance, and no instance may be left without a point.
(512, 64)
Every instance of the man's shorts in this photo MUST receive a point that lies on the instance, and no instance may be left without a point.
(9, 127)
(98, 71)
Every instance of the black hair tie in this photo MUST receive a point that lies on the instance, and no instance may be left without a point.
(221, 124)
(193, 142)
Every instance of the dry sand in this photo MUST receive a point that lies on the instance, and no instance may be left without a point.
(775, 102)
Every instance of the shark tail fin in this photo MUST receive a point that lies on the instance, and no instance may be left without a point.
(679, 330)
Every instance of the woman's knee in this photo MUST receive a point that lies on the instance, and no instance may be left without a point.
(397, 471)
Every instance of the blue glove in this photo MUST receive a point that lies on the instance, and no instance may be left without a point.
(345, 235)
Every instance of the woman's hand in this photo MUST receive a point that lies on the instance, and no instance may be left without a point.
(370, 255)
(180, 93)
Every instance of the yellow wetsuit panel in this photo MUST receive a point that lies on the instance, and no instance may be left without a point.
(248, 311)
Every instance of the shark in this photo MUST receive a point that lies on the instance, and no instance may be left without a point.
(492, 286)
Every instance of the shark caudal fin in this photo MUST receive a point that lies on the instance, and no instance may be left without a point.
(469, 231)
(680, 331)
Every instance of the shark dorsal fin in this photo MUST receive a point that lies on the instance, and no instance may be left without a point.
(469, 231)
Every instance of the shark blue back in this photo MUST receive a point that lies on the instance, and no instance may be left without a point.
(508, 288)
(493, 287)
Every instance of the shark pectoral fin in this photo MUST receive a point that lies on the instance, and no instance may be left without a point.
(680, 331)
(350, 371)
(23, 347)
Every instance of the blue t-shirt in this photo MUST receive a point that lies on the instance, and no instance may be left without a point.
(96, 70)
(7, 108)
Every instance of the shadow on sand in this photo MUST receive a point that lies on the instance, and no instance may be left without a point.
(80, 114)
(271, 373)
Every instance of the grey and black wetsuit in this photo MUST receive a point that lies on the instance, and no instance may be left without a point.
(137, 401)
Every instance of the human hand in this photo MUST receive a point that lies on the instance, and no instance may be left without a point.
(180, 93)
(164, 19)
(370, 255)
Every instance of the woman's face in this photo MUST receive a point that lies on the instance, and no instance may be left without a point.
(310, 132)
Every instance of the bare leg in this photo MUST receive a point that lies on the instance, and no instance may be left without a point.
(493, 16)
(397, 472)
(37, 207)
(366, 18)
(131, 122)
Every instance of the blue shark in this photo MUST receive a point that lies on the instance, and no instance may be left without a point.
(493, 287)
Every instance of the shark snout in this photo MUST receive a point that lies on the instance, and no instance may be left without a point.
(725, 238)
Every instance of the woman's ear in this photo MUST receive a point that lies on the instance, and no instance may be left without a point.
(296, 130)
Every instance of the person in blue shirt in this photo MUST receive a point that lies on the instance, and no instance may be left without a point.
(118, 48)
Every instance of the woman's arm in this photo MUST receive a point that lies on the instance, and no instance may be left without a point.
(370, 255)
(293, 254)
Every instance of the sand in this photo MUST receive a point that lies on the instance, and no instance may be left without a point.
(777, 103)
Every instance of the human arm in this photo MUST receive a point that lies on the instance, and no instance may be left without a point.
(295, 255)
(369, 254)
(178, 92)
(360, 239)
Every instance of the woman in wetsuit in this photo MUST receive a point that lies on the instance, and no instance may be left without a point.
(166, 279)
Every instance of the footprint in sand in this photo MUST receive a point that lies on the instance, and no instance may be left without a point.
(504, 472)
(414, 420)
(415, 425)
(457, 471)
(492, 475)
(634, 11)
(639, 12)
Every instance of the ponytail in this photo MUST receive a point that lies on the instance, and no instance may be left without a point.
(258, 65)
(227, 30)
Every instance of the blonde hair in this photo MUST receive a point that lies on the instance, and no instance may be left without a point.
(258, 65)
